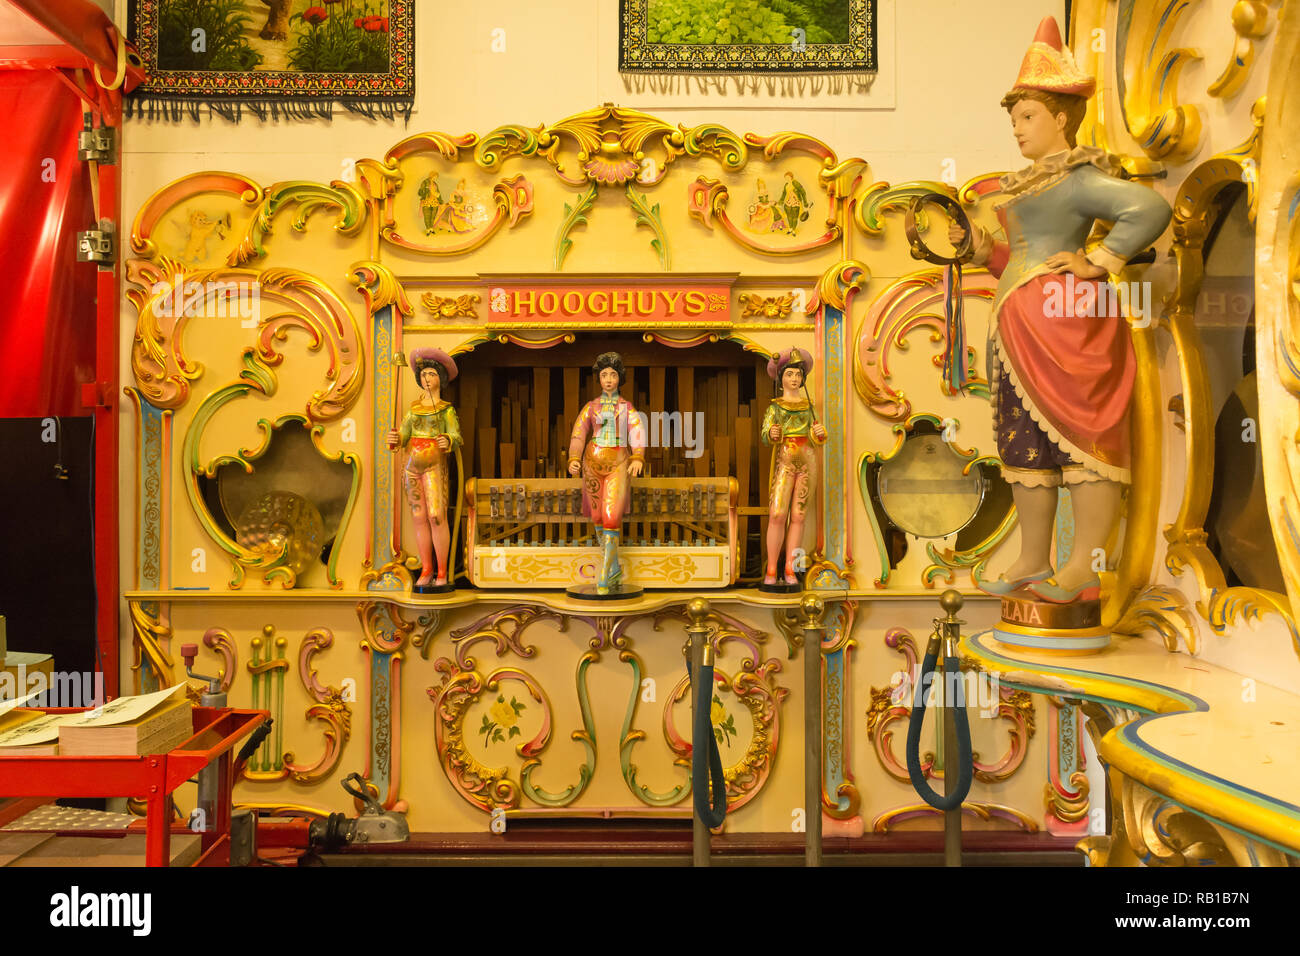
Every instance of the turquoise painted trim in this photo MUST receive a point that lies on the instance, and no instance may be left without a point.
(1290, 529)
(1129, 734)
(1067, 743)
(836, 722)
(1031, 643)
(384, 375)
(835, 501)
(1188, 702)
(381, 699)
(150, 550)
(1176, 6)
(1285, 353)
(832, 761)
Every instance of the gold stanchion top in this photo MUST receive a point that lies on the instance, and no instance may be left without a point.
(813, 608)
(951, 601)
(697, 610)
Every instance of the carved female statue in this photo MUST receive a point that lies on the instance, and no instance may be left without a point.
(615, 453)
(1061, 360)
(789, 425)
(432, 431)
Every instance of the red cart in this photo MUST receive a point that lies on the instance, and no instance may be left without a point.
(155, 777)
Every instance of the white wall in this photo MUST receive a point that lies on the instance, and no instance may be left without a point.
(943, 71)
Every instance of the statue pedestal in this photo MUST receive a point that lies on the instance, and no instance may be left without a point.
(780, 587)
(1033, 625)
(433, 588)
(589, 592)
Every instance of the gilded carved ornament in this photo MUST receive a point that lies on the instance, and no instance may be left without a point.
(274, 559)
(892, 703)
(379, 287)
(331, 705)
(1163, 127)
(1161, 608)
(946, 561)
(1251, 23)
(984, 812)
(150, 630)
(463, 685)
(450, 306)
(1150, 830)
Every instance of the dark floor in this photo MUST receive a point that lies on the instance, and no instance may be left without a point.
(605, 844)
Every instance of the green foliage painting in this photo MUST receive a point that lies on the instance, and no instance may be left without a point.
(747, 21)
(747, 36)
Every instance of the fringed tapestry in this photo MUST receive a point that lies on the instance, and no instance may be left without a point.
(747, 36)
(279, 58)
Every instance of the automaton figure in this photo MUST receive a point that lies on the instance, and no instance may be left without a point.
(607, 446)
(1062, 364)
(791, 427)
(431, 430)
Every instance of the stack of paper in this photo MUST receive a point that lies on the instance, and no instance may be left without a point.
(147, 724)
(30, 733)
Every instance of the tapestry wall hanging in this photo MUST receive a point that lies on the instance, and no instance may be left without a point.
(278, 58)
(747, 36)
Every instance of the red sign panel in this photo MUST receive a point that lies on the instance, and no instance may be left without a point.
(703, 304)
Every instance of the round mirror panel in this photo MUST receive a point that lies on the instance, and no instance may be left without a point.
(922, 489)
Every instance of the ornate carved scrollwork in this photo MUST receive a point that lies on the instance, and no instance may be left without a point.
(152, 664)
(889, 705)
(1149, 830)
(331, 708)
(488, 787)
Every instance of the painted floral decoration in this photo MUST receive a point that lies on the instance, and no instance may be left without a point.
(501, 722)
(724, 724)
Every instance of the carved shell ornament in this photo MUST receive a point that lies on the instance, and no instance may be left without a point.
(611, 165)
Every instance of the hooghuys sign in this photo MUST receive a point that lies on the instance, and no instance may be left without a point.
(705, 301)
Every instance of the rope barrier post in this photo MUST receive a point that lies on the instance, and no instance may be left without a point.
(953, 698)
(697, 639)
(812, 609)
(953, 751)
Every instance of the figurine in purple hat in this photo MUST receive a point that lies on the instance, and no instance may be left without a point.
(432, 431)
(791, 427)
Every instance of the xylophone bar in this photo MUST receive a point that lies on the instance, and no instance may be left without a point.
(547, 512)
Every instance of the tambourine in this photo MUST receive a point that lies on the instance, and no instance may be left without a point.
(964, 250)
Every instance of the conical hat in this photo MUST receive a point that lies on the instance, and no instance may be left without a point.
(1049, 66)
